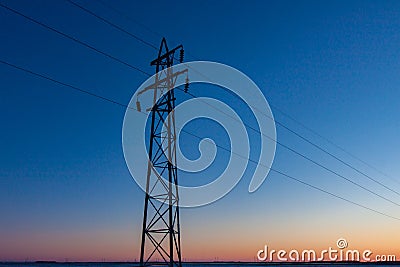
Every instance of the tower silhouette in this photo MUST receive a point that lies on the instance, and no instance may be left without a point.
(161, 239)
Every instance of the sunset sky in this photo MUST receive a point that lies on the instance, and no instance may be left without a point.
(66, 192)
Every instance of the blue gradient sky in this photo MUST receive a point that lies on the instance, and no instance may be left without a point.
(65, 191)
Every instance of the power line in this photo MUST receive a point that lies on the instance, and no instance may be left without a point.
(334, 195)
(336, 158)
(116, 26)
(294, 179)
(310, 142)
(333, 144)
(130, 18)
(192, 134)
(66, 84)
(319, 147)
(298, 180)
(299, 154)
(113, 25)
(285, 146)
(276, 108)
(73, 39)
(135, 68)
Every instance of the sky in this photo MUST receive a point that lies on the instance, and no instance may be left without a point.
(66, 192)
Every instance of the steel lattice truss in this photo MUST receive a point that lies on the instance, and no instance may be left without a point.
(161, 229)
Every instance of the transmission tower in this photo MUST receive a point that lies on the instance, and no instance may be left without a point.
(161, 244)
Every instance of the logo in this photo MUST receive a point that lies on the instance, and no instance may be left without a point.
(226, 78)
(342, 253)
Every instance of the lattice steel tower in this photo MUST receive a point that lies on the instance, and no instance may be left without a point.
(161, 244)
